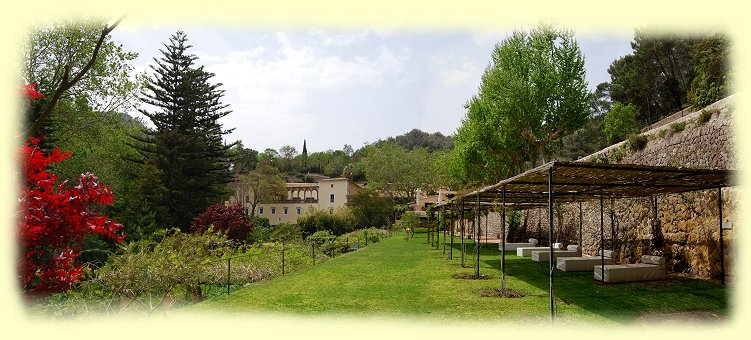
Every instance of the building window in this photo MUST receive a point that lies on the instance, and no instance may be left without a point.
(260, 211)
(285, 210)
(332, 185)
(331, 210)
(247, 198)
(331, 198)
(273, 211)
(298, 210)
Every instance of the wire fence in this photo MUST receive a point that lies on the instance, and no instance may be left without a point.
(267, 260)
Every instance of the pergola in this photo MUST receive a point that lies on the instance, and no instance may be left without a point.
(578, 181)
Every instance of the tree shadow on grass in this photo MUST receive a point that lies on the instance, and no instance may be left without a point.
(620, 302)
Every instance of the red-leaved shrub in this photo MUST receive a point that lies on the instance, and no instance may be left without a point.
(54, 218)
(232, 221)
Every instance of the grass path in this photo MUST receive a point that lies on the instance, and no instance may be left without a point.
(397, 277)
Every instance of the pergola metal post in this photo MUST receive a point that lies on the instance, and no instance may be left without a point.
(550, 241)
(477, 237)
(436, 231)
(602, 241)
(462, 231)
(429, 239)
(503, 241)
(722, 241)
(434, 239)
(443, 226)
(451, 241)
(487, 215)
(581, 246)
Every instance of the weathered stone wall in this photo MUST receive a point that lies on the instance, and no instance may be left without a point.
(490, 225)
(686, 230)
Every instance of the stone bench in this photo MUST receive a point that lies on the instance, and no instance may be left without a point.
(527, 251)
(582, 263)
(651, 268)
(544, 255)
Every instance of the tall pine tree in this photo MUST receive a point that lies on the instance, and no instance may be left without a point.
(186, 143)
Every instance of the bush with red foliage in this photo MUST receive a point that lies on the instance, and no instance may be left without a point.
(232, 221)
(54, 219)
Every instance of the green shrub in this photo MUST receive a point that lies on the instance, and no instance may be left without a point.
(678, 126)
(286, 232)
(337, 223)
(705, 116)
(662, 133)
(420, 230)
(636, 142)
(261, 230)
(260, 234)
(320, 237)
(618, 153)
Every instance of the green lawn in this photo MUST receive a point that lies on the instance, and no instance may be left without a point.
(397, 277)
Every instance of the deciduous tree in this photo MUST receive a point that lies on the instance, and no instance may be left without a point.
(369, 208)
(74, 61)
(262, 184)
(532, 94)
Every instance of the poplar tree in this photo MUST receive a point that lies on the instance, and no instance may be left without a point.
(186, 144)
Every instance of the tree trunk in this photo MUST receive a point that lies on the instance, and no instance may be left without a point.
(197, 293)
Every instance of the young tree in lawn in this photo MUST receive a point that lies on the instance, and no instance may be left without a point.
(186, 144)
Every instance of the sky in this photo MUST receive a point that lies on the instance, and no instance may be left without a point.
(336, 87)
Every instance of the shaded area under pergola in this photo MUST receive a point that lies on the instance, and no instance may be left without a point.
(579, 181)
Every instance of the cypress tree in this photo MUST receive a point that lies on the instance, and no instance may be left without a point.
(186, 144)
(304, 156)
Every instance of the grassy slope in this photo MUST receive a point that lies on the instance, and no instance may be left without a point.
(397, 277)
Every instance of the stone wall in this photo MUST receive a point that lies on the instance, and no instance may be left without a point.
(686, 229)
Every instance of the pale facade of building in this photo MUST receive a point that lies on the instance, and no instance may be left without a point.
(326, 194)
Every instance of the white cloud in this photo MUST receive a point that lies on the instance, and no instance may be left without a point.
(466, 73)
(274, 91)
(339, 39)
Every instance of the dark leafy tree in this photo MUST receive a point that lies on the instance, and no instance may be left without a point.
(620, 122)
(590, 137)
(186, 143)
(711, 63)
(419, 139)
(244, 160)
(369, 208)
(656, 77)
